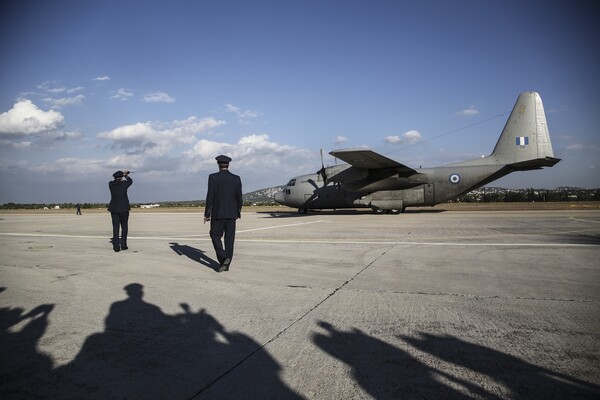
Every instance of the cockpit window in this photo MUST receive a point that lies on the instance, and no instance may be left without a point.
(292, 182)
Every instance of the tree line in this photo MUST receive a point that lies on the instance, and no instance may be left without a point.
(496, 195)
(67, 206)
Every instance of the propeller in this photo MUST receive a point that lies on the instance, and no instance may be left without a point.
(322, 170)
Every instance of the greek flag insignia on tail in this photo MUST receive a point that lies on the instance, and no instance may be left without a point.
(522, 140)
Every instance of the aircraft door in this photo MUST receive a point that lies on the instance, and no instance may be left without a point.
(429, 194)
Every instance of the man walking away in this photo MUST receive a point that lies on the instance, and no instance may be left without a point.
(119, 208)
(223, 208)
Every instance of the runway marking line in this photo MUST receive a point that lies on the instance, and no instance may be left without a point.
(309, 241)
(280, 226)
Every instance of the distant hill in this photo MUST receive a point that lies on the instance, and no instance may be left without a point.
(262, 196)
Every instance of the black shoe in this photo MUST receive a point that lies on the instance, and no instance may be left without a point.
(116, 249)
(124, 247)
(224, 265)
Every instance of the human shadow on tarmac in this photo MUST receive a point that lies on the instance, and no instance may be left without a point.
(142, 353)
(387, 372)
(20, 359)
(195, 254)
(525, 380)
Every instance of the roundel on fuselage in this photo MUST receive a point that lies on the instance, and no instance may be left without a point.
(454, 178)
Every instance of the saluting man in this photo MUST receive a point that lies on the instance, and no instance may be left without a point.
(223, 208)
(119, 208)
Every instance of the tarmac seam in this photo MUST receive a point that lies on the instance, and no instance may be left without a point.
(330, 295)
(477, 297)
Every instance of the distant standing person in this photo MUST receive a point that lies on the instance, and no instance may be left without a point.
(119, 208)
(223, 208)
(78, 209)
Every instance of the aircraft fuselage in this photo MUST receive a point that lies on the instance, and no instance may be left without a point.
(428, 187)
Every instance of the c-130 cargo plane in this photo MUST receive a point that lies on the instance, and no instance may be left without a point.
(387, 186)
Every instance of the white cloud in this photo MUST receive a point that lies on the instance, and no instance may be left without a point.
(130, 135)
(68, 136)
(340, 139)
(208, 149)
(393, 139)
(126, 161)
(157, 139)
(185, 130)
(25, 118)
(468, 112)
(243, 116)
(122, 94)
(9, 144)
(65, 101)
(410, 137)
(52, 87)
(158, 97)
(75, 89)
(102, 78)
(254, 153)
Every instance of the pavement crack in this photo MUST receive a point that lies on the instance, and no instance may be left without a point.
(281, 332)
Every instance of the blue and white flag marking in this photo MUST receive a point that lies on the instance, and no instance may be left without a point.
(522, 140)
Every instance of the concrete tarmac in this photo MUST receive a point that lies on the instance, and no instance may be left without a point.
(332, 305)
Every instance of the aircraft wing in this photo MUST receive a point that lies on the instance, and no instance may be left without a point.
(368, 159)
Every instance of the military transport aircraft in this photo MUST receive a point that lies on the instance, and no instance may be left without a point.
(387, 186)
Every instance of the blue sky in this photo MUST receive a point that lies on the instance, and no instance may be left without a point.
(162, 87)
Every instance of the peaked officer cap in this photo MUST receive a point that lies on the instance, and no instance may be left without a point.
(223, 159)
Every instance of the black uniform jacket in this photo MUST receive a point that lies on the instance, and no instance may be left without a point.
(119, 202)
(224, 197)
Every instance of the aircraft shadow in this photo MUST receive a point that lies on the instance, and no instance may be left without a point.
(387, 372)
(195, 254)
(295, 214)
(142, 353)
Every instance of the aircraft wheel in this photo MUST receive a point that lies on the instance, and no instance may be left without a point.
(302, 211)
(395, 211)
(378, 211)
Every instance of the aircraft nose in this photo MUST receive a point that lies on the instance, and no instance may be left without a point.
(279, 197)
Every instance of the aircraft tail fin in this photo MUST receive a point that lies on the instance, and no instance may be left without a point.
(525, 140)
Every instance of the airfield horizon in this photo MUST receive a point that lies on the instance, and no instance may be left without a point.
(455, 206)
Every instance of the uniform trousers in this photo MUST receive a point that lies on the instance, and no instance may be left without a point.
(120, 220)
(218, 228)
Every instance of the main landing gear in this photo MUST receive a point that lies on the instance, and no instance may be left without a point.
(394, 211)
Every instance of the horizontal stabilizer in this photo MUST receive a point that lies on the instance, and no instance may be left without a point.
(368, 159)
(538, 163)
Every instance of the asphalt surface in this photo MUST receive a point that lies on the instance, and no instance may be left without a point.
(346, 305)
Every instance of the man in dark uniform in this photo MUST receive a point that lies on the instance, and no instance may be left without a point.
(223, 208)
(119, 208)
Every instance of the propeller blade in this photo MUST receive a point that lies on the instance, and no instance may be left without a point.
(322, 171)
